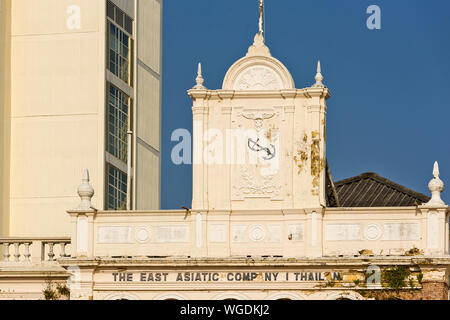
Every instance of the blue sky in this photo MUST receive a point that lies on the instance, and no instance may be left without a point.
(389, 111)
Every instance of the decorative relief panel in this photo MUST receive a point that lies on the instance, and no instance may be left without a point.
(114, 235)
(343, 232)
(401, 231)
(372, 232)
(258, 78)
(172, 234)
(142, 234)
(252, 187)
(257, 233)
(218, 233)
(275, 232)
(296, 232)
(256, 170)
(239, 233)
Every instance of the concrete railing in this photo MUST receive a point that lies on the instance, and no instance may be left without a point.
(33, 250)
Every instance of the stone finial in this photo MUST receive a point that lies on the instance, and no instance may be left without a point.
(436, 187)
(319, 77)
(86, 192)
(199, 80)
(258, 48)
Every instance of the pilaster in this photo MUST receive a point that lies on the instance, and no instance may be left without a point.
(314, 236)
(82, 284)
(436, 230)
(199, 167)
(199, 226)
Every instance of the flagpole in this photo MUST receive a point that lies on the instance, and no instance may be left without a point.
(261, 17)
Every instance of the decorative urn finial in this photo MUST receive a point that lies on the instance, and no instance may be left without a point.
(199, 80)
(258, 48)
(319, 77)
(436, 187)
(86, 192)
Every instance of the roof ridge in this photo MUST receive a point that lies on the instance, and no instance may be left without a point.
(355, 178)
(375, 176)
(400, 187)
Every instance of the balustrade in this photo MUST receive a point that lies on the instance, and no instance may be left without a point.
(34, 250)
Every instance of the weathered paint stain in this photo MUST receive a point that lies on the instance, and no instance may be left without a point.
(315, 162)
(301, 157)
(269, 134)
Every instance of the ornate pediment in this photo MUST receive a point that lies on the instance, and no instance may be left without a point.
(257, 71)
(258, 78)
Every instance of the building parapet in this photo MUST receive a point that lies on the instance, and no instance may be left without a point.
(304, 233)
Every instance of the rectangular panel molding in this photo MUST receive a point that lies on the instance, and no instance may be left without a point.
(343, 232)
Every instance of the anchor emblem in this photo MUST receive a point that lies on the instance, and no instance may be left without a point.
(255, 146)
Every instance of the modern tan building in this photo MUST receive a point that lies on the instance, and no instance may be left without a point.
(80, 87)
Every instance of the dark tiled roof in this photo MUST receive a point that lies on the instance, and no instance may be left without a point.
(371, 190)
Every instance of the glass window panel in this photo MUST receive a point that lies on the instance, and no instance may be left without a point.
(128, 25)
(119, 53)
(118, 123)
(120, 17)
(117, 189)
(110, 10)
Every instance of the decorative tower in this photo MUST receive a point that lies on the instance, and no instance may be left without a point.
(259, 143)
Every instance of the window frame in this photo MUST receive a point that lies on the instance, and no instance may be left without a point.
(119, 196)
(119, 52)
(119, 142)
